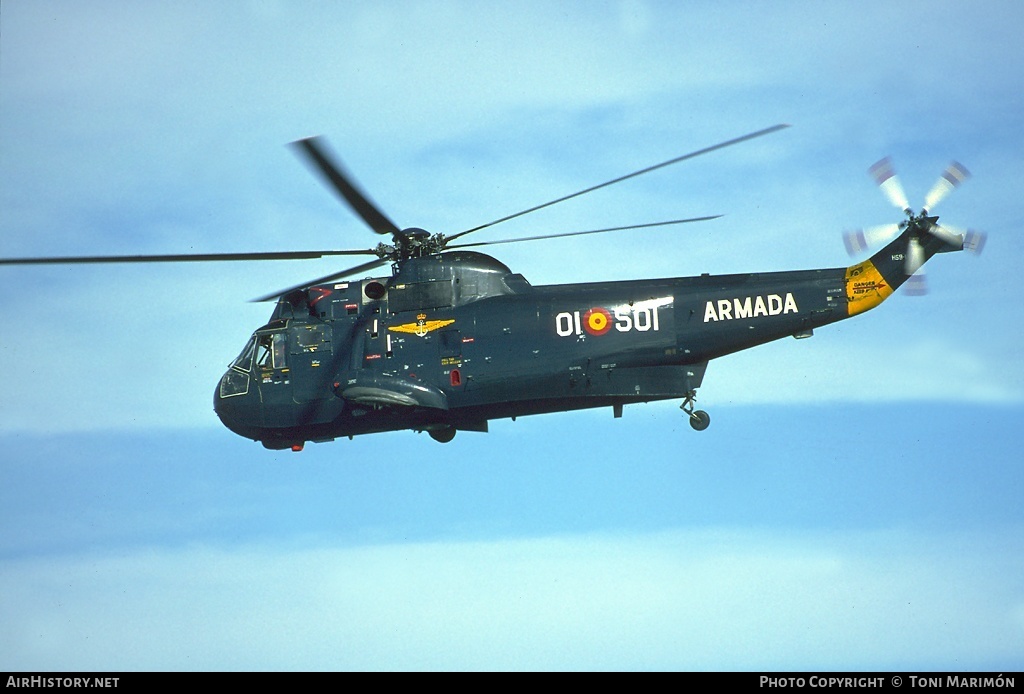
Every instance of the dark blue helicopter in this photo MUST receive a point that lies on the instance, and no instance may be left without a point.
(452, 338)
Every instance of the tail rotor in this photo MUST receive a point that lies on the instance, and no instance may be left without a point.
(920, 229)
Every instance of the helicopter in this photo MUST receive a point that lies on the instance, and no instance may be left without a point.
(453, 338)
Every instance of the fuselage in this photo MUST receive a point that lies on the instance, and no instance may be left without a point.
(456, 339)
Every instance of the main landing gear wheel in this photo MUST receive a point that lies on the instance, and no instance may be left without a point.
(699, 419)
(442, 435)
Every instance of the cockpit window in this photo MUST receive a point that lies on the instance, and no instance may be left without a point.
(271, 350)
(244, 360)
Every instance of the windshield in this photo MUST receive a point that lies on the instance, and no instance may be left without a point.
(244, 360)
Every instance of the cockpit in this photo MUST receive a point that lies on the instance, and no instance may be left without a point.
(268, 349)
(329, 347)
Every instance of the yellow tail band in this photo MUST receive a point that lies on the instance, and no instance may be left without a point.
(865, 288)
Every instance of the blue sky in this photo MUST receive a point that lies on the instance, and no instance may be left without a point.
(855, 503)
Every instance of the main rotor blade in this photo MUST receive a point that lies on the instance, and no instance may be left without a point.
(344, 185)
(321, 280)
(648, 169)
(955, 174)
(583, 233)
(180, 257)
(886, 178)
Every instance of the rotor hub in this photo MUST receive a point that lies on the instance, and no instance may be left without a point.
(919, 223)
(414, 242)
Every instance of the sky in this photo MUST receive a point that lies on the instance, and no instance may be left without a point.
(854, 504)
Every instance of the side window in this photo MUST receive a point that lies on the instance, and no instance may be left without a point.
(280, 349)
(270, 353)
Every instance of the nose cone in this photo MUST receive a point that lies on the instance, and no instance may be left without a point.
(237, 406)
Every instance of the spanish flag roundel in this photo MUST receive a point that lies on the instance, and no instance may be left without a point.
(597, 321)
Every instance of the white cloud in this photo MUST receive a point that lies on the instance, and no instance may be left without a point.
(687, 599)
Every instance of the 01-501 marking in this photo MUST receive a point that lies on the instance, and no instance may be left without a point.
(598, 321)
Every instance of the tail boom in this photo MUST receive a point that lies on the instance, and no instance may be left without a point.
(871, 282)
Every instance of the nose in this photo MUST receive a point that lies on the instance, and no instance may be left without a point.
(237, 405)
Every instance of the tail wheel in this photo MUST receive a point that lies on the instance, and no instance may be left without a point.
(699, 420)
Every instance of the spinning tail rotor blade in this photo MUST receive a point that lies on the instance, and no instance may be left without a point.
(885, 177)
(974, 241)
(946, 234)
(862, 239)
(916, 285)
(954, 175)
(915, 256)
